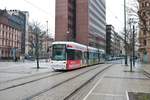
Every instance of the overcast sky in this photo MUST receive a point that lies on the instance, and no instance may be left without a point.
(43, 10)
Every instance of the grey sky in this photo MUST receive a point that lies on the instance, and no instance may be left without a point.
(43, 10)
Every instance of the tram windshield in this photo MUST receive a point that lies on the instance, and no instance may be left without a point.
(59, 52)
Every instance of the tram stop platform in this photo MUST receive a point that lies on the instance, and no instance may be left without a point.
(118, 83)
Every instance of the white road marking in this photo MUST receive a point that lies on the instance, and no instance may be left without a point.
(106, 94)
(93, 88)
(127, 95)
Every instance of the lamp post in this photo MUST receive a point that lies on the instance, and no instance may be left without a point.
(132, 28)
(133, 44)
(46, 35)
(46, 48)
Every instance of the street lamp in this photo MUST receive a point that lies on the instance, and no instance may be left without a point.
(67, 33)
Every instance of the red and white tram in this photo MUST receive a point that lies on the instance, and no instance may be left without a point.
(71, 55)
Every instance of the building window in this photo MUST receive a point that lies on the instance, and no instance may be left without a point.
(0, 42)
(144, 33)
(142, 4)
(2, 53)
(146, 4)
(144, 42)
(1, 33)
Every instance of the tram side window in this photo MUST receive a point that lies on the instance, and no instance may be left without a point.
(85, 55)
(103, 56)
(78, 55)
(91, 55)
(96, 55)
(70, 54)
(74, 55)
(99, 55)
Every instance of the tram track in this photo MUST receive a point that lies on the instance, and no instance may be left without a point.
(23, 77)
(84, 84)
(147, 74)
(16, 84)
(67, 80)
(12, 83)
(29, 81)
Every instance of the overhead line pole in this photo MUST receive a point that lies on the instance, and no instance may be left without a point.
(133, 45)
(125, 37)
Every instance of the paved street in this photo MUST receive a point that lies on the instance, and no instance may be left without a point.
(13, 70)
(23, 81)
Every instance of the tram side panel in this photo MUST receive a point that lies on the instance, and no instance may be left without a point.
(74, 59)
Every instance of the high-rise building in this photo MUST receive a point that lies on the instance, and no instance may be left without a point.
(114, 46)
(82, 21)
(109, 37)
(144, 34)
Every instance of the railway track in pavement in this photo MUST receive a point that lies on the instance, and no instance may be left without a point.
(26, 80)
(23, 77)
(67, 87)
(41, 85)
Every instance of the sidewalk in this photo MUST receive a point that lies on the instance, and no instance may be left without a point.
(146, 68)
(118, 83)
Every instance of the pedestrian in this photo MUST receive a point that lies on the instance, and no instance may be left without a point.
(15, 59)
(20, 57)
(23, 58)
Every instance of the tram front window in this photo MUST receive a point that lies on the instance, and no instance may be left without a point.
(59, 52)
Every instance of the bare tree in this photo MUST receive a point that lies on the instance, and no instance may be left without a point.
(37, 43)
(141, 10)
(142, 15)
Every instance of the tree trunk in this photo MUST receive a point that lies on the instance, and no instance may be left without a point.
(37, 50)
(37, 59)
(131, 64)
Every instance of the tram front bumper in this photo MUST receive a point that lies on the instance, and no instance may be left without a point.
(58, 65)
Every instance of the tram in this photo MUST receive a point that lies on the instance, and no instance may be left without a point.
(71, 55)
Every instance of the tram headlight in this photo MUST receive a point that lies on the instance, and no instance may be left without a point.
(64, 62)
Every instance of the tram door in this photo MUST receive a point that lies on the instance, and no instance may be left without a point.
(83, 59)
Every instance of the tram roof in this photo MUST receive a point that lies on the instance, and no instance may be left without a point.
(77, 44)
(101, 50)
(69, 42)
